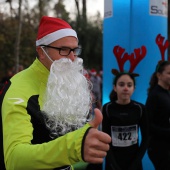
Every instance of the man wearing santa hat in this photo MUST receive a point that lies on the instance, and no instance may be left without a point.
(46, 108)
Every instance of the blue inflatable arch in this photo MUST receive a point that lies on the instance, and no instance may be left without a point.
(131, 24)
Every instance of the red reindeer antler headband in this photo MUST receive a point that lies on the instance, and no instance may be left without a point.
(134, 59)
(162, 46)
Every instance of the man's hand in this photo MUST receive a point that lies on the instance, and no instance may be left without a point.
(96, 142)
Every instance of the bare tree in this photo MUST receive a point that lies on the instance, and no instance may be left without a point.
(77, 6)
(43, 7)
(10, 5)
(84, 11)
(60, 10)
(82, 15)
(17, 47)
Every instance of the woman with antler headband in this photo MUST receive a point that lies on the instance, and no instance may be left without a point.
(158, 107)
(122, 117)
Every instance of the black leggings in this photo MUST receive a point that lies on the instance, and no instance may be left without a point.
(160, 157)
(94, 167)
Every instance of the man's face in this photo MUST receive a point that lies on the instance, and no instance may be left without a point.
(55, 54)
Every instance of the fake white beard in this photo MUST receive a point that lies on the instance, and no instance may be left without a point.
(68, 98)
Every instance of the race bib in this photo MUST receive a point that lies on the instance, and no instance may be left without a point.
(123, 136)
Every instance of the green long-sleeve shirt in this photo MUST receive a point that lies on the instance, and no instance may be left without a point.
(26, 141)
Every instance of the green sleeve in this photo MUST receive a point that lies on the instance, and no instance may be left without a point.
(20, 154)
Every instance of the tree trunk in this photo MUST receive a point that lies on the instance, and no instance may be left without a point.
(17, 48)
(84, 12)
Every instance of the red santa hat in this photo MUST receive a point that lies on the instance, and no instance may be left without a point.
(93, 71)
(52, 29)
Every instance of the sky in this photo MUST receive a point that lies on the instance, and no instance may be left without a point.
(92, 6)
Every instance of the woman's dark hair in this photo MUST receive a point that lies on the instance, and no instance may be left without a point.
(160, 67)
(113, 94)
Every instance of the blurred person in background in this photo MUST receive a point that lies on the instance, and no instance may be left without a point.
(96, 89)
(158, 108)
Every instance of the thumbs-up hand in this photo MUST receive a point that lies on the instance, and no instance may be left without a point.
(97, 119)
(96, 143)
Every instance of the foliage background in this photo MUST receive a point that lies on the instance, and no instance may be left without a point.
(18, 30)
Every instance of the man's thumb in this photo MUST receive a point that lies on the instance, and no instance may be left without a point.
(98, 117)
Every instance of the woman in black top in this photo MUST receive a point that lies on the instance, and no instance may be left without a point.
(122, 118)
(158, 107)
